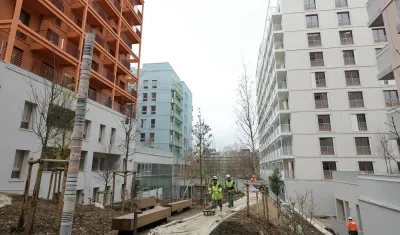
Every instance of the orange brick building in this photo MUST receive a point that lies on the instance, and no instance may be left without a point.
(46, 38)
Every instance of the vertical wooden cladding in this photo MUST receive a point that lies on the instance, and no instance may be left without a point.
(51, 31)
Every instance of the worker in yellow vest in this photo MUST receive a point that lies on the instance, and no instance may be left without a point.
(215, 189)
(230, 188)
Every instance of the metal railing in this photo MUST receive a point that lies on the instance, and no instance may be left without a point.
(99, 38)
(287, 150)
(92, 94)
(277, 27)
(392, 102)
(280, 64)
(380, 40)
(349, 60)
(317, 62)
(59, 4)
(98, 9)
(137, 31)
(314, 43)
(285, 128)
(321, 104)
(282, 85)
(344, 22)
(310, 6)
(126, 40)
(59, 42)
(362, 126)
(353, 81)
(341, 3)
(324, 126)
(328, 175)
(279, 45)
(363, 150)
(289, 174)
(327, 150)
(124, 61)
(346, 41)
(105, 73)
(320, 83)
(356, 103)
(137, 11)
(105, 100)
(312, 24)
(117, 5)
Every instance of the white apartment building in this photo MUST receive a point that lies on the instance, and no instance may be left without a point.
(103, 128)
(320, 105)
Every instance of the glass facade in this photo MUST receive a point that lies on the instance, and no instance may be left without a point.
(151, 176)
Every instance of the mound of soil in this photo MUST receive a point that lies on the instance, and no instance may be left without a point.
(88, 220)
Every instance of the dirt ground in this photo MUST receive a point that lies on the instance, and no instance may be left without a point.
(88, 220)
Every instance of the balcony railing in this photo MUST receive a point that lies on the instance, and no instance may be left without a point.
(137, 11)
(137, 31)
(321, 104)
(392, 102)
(324, 126)
(317, 62)
(356, 103)
(349, 60)
(59, 4)
(92, 95)
(117, 5)
(320, 83)
(362, 126)
(99, 38)
(328, 174)
(313, 24)
(126, 40)
(105, 100)
(346, 41)
(314, 43)
(277, 27)
(340, 3)
(282, 85)
(280, 64)
(98, 9)
(287, 151)
(353, 81)
(60, 42)
(310, 6)
(278, 45)
(285, 127)
(124, 61)
(105, 73)
(344, 22)
(363, 150)
(380, 40)
(327, 150)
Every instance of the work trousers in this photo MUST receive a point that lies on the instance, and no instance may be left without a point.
(231, 194)
(353, 233)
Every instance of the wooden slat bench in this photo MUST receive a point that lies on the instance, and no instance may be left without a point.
(146, 203)
(180, 205)
(125, 222)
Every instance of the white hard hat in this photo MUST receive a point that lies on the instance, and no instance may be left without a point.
(215, 177)
(228, 176)
(350, 218)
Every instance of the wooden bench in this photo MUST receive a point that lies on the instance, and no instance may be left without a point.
(125, 222)
(180, 205)
(146, 203)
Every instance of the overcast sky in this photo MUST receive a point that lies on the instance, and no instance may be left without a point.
(204, 41)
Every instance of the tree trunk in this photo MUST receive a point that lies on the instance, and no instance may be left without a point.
(55, 185)
(61, 200)
(25, 199)
(35, 195)
(124, 192)
(77, 135)
(133, 191)
(51, 181)
(113, 192)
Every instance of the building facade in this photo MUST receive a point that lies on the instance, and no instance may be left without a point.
(320, 106)
(46, 38)
(384, 19)
(164, 110)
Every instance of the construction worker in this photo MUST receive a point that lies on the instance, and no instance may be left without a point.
(253, 179)
(230, 188)
(352, 227)
(215, 189)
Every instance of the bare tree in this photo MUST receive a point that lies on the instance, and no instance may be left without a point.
(276, 186)
(385, 150)
(246, 116)
(202, 143)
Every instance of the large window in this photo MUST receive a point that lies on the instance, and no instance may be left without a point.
(328, 167)
(153, 109)
(356, 99)
(324, 123)
(320, 80)
(27, 116)
(312, 21)
(348, 57)
(346, 37)
(361, 122)
(316, 59)
(326, 146)
(18, 163)
(309, 5)
(362, 146)
(341, 3)
(144, 109)
(321, 100)
(367, 167)
(314, 39)
(145, 97)
(379, 35)
(343, 18)
(391, 98)
(145, 84)
(352, 78)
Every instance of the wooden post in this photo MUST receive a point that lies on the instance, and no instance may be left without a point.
(266, 202)
(263, 199)
(113, 192)
(59, 185)
(133, 193)
(124, 191)
(25, 198)
(35, 195)
(61, 200)
(55, 185)
(51, 181)
(257, 203)
(248, 199)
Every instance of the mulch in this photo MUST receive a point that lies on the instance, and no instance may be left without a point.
(88, 220)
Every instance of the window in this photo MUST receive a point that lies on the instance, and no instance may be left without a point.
(86, 130)
(101, 133)
(379, 35)
(356, 99)
(144, 109)
(142, 137)
(112, 136)
(343, 18)
(24, 18)
(309, 5)
(377, 50)
(328, 167)
(153, 83)
(153, 96)
(341, 3)
(362, 146)
(153, 123)
(321, 100)
(352, 78)
(152, 137)
(316, 59)
(314, 39)
(142, 123)
(326, 146)
(144, 97)
(16, 56)
(324, 122)
(82, 161)
(27, 116)
(145, 84)
(312, 21)
(346, 37)
(367, 167)
(320, 79)
(348, 57)
(153, 109)
(18, 162)
(391, 98)
(361, 122)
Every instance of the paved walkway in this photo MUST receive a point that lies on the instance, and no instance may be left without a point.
(200, 224)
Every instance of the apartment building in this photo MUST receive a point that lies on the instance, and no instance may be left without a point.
(320, 106)
(164, 110)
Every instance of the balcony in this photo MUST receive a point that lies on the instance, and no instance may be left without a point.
(131, 12)
(356, 103)
(176, 115)
(277, 27)
(280, 64)
(321, 104)
(59, 42)
(122, 59)
(285, 128)
(282, 85)
(327, 150)
(363, 150)
(289, 174)
(279, 46)
(103, 72)
(176, 102)
(100, 39)
(96, 7)
(393, 102)
(324, 126)
(384, 62)
(374, 13)
(176, 128)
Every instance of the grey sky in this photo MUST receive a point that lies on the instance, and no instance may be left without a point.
(204, 41)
